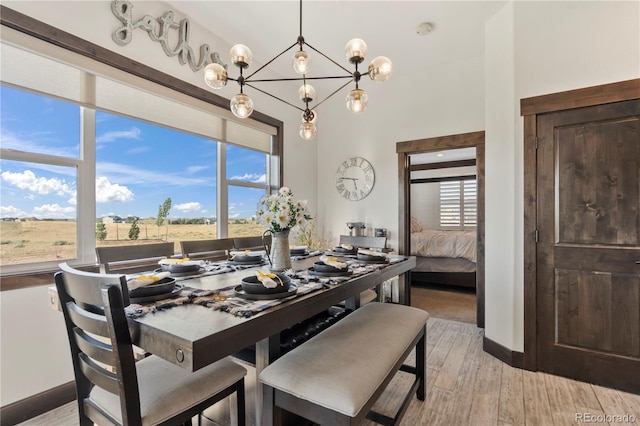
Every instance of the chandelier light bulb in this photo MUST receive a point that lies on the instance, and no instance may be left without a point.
(301, 62)
(215, 76)
(355, 50)
(357, 100)
(380, 69)
(308, 130)
(241, 105)
(306, 93)
(241, 55)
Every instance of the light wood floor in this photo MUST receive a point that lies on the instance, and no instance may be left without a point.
(466, 386)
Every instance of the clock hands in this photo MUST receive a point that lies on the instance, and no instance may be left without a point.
(355, 184)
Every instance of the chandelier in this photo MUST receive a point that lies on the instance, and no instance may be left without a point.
(216, 77)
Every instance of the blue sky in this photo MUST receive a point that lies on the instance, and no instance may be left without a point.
(138, 165)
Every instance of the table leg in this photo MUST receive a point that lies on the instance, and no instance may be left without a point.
(267, 351)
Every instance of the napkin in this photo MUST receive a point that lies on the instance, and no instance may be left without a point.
(346, 246)
(142, 280)
(333, 261)
(372, 253)
(246, 253)
(184, 261)
(267, 279)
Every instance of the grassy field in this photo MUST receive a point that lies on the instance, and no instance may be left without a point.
(39, 241)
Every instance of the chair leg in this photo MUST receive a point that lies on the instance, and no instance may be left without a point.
(420, 366)
(240, 405)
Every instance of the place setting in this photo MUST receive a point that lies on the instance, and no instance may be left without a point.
(152, 287)
(344, 250)
(246, 258)
(330, 266)
(367, 256)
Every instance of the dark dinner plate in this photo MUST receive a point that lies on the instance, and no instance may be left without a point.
(353, 250)
(323, 267)
(252, 285)
(241, 258)
(178, 268)
(162, 286)
(156, 297)
(291, 291)
(299, 252)
(372, 258)
(330, 274)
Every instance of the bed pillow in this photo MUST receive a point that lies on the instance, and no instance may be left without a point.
(416, 226)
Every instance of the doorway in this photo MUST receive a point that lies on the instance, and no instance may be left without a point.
(405, 151)
(582, 294)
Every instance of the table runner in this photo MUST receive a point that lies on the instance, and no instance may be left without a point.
(224, 299)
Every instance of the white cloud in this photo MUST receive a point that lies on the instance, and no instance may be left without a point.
(196, 169)
(54, 211)
(132, 133)
(251, 177)
(40, 185)
(111, 192)
(140, 176)
(190, 207)
(35, 142)
(11, 211)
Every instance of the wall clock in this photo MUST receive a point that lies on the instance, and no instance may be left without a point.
(355, 178)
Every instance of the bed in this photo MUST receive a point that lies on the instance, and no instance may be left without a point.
(443, 257)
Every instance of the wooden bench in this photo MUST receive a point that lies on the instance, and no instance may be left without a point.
(337, 376)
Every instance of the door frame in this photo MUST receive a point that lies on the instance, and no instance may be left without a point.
(442, 143)
(530, 108)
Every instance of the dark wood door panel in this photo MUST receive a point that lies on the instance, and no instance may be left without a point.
(598, 311)
(588, 258)
(599, 170)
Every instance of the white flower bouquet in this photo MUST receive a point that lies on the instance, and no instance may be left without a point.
(279, 212)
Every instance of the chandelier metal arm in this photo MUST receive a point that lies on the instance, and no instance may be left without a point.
(272, 59)
(298, 79)
(319, 52)
(336, 91)
(275, 97)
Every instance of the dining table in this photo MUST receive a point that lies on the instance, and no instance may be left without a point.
(193, 336)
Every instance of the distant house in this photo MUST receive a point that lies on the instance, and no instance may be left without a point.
(112, 219)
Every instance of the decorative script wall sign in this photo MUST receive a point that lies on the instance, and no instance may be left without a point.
(159, 30)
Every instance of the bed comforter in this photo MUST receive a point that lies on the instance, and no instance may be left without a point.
(434, 243)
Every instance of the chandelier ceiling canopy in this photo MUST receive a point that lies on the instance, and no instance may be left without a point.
(380, 69)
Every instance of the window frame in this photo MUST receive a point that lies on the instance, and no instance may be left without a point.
(34, 274)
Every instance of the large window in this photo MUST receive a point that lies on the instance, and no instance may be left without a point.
(85, 157)
(458, 204)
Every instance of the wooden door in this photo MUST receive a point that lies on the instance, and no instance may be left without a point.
(588, 254)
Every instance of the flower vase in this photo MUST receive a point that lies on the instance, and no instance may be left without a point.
(280, 251)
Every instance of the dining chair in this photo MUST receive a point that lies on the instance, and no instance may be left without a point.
(133, 258)
(251, 243)
(364, 242)
(112, 388)
(217, 249)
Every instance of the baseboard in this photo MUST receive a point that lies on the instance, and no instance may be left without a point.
(35, 405)
(506, 355)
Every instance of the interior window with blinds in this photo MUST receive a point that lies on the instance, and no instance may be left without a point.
(458, 204)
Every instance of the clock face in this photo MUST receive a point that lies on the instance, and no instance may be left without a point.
(355, 178)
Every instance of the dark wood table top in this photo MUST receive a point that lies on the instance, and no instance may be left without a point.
(194, 336)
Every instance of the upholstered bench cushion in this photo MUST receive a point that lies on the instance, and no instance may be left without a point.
(342, 367)
(166, 389)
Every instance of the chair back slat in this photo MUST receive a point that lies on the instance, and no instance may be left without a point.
(251, 243)
(88, 321)
(364, 242)
(207, 249)
(130, 259)
(94, 348)
(98, 375)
